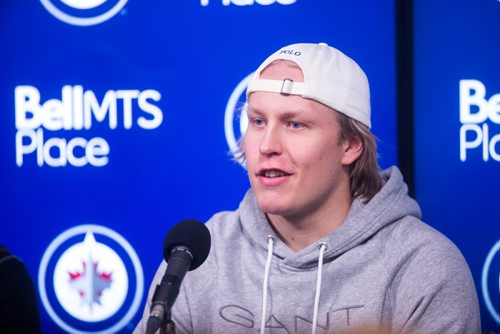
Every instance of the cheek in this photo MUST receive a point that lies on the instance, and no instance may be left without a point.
(248, 147)
(245, 145)
(324, 168)
(323, 163)
(325, 152)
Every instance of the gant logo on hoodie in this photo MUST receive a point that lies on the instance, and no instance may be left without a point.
(243, 317)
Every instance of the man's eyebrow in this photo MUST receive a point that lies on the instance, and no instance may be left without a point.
(292, 113)
(253, 110)
(282, 114)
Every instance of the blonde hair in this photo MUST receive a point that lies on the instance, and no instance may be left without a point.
(364, 173)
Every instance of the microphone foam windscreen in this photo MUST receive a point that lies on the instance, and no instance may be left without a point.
(191, 234)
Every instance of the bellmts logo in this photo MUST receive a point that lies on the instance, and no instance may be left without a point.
(475, 110)
(77, 109)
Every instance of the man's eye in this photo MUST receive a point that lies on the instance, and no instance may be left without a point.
(257, 122)
(295, 125)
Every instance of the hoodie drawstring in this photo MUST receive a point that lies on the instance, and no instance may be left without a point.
(270, 244)
(322, 248)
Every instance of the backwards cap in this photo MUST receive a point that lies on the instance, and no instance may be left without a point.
(330, 77)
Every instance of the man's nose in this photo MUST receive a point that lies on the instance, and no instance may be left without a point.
(271, 143)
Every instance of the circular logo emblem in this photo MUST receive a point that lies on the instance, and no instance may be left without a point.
(90, 280)
(490, 281)
(235, 118)
(84, 12)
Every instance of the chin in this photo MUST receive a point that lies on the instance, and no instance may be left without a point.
(272, 207)
(275, 208)
(273, 201)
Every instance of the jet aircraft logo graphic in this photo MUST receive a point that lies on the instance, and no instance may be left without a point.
(90, 283)
(235, 118)
(90, 280)
(84, 12)
(490, 281)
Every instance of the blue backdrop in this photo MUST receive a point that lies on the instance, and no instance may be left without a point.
(116, 118)
(115, 121)
(457, 133)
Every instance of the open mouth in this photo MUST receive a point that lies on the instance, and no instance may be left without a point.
(272, 173)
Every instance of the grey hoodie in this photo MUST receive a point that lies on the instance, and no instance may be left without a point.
(383, 270)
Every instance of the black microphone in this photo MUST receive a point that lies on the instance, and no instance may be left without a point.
(186, 247)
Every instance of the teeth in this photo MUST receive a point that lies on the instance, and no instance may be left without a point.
(273, 173)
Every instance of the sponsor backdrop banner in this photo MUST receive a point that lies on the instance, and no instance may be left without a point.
(457, 134)
(116, 119)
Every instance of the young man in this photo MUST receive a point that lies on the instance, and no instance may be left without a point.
(323, 242)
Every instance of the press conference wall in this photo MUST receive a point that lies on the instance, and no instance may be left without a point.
(457, 134)
(116, 122)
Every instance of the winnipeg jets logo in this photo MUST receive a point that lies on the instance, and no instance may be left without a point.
(84, 12)
(490, 281)
(82, 280)
(95, 273)
(90, 283)
(235, 118)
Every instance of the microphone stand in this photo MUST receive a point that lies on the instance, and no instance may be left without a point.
(168, 326)
(168, 290)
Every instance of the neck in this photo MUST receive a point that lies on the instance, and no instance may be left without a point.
(301, 231)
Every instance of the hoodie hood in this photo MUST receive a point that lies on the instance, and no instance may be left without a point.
(362, 222)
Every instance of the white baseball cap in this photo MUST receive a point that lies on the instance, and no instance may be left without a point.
(330, 77)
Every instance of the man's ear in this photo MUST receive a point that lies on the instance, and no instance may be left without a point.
(353, 147)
